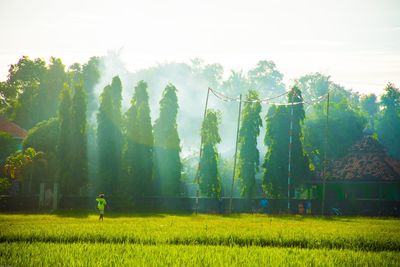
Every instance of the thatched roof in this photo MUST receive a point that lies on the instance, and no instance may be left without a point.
(367, 160)
(12, 128)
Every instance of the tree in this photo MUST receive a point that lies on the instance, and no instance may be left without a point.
(388, 122)
(26, 167)
(79, 164)
(64, 153)
(7, 96)
(208, 177)
(313, 85)
(167, 162)
(235, 84)
(249, 156)
(8, 145)
(21, 89)
(64, 140)
(24, 109)
(139, 148)
(109, 137)
(91, 76)
(116, 97)
(370, 106)
(266, 78)
(44, 137)
(276, 161)
(346, 124)
(213, 73)
(49, 89)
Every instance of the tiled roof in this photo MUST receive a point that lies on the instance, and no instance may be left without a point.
(367, 160)
(12, 128)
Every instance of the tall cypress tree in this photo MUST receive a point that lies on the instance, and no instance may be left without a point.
(91, 76)
(167, 165)
(388, 126)
(139, 148)
(64, 141)
(209, 178)
(116, 94)
(277, 139)
(249, 156)
(109, 136)
(79, 163)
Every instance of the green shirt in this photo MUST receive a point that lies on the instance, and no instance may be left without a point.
(101, 202)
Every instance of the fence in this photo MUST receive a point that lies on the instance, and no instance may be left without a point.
(205, 205)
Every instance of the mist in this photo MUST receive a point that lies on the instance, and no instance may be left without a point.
(192, 82)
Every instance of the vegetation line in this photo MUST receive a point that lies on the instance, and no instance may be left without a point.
(362, 245)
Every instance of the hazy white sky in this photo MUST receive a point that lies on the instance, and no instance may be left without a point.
(357, 42)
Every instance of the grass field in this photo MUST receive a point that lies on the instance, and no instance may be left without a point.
(205, 240)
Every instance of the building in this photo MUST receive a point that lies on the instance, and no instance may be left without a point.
(365, 182)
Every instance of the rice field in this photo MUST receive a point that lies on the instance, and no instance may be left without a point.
(202, 240)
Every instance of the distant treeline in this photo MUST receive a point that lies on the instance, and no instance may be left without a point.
(82, 133)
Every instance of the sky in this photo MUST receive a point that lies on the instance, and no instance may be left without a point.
(356, 42)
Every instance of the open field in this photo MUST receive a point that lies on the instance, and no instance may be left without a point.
(198, 240)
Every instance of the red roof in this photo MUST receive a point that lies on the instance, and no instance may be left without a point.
(366, 161)
(12, 128)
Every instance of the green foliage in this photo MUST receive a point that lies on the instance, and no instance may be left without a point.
(371, 107)
(276, 160)
(313, 85)
(388, 122)
(208, 177)
(266, 78)
(369, 104)
(64, 144)
(345, 127)
(5, 184)
(28, 167)
(167, 165)
(109, 137)
(8, 145)
(50, 88)
(236, 83)
(138, 158)
(72, 147)
(33, 89)
(44, 137)
(249, 156)
(24, 107)
(31, 92)
(91, 76)
(78, 164)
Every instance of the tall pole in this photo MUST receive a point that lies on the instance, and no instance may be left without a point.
(290, 156)
(236, 147)
(201, 151)
(325, 157)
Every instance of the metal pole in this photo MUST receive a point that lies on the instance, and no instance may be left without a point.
(290, 156)
(201, 150)
(236, 147)
(325, 157)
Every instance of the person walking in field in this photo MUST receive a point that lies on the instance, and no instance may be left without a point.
(101, 203)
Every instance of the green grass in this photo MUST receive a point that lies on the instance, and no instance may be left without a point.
(251, 240)
(95, 254)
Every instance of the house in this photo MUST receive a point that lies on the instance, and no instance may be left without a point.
(15, 131)
(12, 128)
(365, 181)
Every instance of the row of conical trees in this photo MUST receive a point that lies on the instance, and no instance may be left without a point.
(279, 136)
(136, 157)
